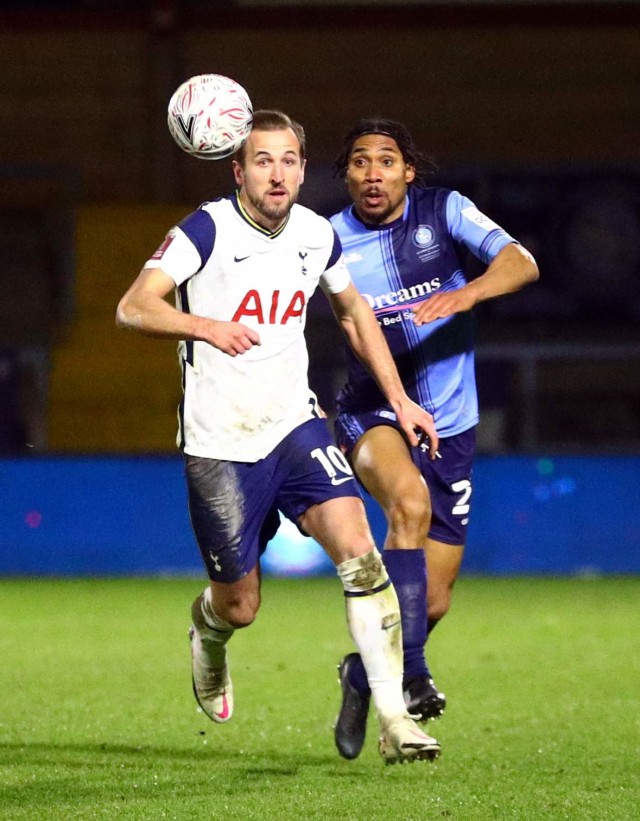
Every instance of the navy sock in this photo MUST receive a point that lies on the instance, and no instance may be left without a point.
(408, 572)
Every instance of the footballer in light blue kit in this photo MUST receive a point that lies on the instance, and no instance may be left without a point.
(404, 244)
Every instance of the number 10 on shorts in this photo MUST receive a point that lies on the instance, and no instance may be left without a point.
(334, 462)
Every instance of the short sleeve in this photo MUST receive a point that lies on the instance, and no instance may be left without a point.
(177, 256)
(469, 226)
(336, 275)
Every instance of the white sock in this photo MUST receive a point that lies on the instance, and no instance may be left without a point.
(212, 620)
(373, 616)
(212, 634)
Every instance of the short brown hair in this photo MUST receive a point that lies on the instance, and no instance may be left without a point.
(273, 120)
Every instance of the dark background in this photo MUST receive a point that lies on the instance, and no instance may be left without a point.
(530, 109)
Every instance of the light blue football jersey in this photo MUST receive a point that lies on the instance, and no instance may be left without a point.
(397, 266)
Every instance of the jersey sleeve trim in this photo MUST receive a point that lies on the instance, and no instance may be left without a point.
(469, 226)
(336, 276)
(336, 251)
(200, 228)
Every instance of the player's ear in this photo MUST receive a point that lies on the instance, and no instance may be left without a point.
(409, 174)
(303, 165)
(238, 173)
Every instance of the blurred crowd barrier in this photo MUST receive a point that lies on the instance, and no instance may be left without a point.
(111, 516)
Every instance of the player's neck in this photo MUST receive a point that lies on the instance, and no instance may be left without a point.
(255, 216)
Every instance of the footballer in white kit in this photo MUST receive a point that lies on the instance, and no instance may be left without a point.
(240, 408)
(246, 415)
(254, 443)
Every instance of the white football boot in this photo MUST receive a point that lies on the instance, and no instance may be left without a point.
(403, 741)
(212, 685)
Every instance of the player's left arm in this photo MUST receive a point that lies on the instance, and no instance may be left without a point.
(368, 343)
(511, 269)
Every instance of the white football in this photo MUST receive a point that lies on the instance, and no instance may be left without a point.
(210, 116)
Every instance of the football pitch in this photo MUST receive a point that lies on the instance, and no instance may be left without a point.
(97, 718)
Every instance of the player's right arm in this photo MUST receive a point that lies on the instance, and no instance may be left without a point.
(144, 309)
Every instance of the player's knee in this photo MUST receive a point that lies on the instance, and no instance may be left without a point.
(363, 574)
(411, 510)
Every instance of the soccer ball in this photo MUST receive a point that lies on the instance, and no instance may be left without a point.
(210, 116)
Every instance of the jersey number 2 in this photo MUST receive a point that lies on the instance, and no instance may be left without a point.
(462, 506)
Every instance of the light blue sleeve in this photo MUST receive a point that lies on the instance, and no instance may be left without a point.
(469, 226)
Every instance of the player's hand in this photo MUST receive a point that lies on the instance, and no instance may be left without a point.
(232, 338)
(418, 425)
(443, 304)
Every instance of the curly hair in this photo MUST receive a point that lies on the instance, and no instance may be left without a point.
(424, 165)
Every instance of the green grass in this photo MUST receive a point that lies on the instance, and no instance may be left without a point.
(97, 719)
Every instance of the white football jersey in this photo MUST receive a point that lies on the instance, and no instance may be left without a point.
(228, 268)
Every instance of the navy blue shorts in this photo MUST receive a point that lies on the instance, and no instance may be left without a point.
(448, 478)
(234, 505)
